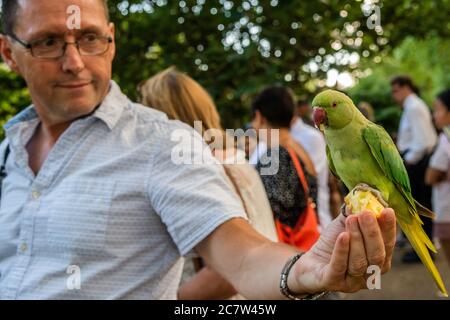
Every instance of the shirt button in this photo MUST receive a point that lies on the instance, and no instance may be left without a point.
(23, 247)
(35, 194)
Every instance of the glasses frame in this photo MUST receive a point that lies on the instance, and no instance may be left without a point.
(29, 46)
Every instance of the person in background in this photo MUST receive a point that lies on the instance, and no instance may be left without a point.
(438, 172)
(416, 141)
(249, 141)
(182, 98)
(303, 111)
(273, 111)
(314, 144)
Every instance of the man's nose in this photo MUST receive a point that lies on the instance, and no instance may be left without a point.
(72, 60)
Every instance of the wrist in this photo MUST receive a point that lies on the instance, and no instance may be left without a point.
(300, 281)
(294, 278)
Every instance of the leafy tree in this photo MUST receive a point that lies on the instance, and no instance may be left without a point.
(234, 48)
(13, 94)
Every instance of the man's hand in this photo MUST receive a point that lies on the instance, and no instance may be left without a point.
(340, 258)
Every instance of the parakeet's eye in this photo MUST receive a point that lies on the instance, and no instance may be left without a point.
(334, 105)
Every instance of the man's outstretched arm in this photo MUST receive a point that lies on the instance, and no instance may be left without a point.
(337, 262)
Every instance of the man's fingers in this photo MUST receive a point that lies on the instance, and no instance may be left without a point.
(388, 229)
(373, 240)
(339, 257)
(357, 265)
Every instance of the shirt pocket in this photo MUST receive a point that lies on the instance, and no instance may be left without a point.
(78, 217)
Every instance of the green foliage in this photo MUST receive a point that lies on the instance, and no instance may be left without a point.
(234, 48)
(191, 40)
(14, 95)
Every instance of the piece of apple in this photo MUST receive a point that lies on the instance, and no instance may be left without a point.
(360, 200)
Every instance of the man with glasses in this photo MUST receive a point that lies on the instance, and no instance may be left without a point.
(93, 207)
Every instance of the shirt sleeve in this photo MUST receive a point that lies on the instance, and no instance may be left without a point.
(417, 117)
(188, 188)
(440, 159)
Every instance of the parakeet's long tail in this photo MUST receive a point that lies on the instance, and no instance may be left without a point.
(420, 241)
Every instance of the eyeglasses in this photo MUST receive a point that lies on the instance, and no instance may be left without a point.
(89, 44)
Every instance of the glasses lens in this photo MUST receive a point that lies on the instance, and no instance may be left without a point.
(48, 48)
(92, 44)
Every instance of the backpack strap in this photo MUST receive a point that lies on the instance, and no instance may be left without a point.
(299, 170)
(302, 177)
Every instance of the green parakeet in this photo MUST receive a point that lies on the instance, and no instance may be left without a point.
(361, 152)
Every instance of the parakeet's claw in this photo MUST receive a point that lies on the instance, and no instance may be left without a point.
(375, 192)
(343, 210)
(365, 198)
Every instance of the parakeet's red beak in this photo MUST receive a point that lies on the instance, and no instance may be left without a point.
(319, 116)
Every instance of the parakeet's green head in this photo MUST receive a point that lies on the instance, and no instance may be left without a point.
(333, 109)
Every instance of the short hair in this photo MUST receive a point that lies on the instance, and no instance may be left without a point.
(444, 96)
(404, 80)
(276, 104)
(9, 14)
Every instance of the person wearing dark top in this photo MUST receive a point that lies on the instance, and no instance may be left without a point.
(274, 110)
(284, 190)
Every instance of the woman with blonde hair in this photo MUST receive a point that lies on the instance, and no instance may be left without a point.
(182, 98)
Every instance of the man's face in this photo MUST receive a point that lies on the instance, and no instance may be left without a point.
(71, 86)
(399, 93)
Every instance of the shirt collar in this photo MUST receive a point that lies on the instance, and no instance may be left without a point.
(298, 123)
(409, 100)
(26, 115)
(112, 106)
(109, 110)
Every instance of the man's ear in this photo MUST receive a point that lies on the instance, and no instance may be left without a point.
(112, 30)
(6, 53)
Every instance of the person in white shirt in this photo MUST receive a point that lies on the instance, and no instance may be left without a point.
(304, 111)
(438, 173)
(416, 141)
(417, 136)
(314, 143)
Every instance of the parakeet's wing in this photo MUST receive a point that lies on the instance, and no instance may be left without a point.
(385, 152)
(331, 164)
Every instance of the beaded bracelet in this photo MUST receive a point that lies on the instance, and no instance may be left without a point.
(284, 279)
